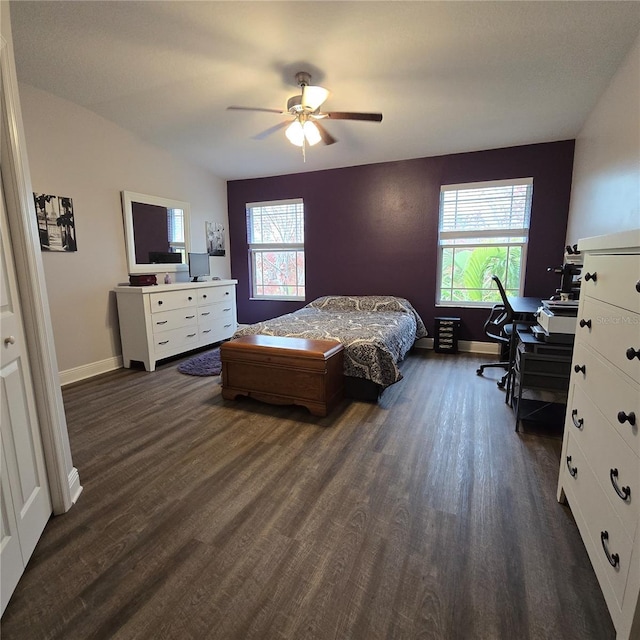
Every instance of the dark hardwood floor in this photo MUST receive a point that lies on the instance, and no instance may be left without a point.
(425, 516)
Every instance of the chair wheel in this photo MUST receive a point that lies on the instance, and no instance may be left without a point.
(479, 372)
(500, 384)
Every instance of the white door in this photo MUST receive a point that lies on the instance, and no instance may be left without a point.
(25, 505)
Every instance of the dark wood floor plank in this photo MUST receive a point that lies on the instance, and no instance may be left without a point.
(424, 516)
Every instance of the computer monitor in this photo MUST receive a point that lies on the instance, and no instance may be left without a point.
(198, 265)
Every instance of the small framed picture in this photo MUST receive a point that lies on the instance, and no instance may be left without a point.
(215, 239)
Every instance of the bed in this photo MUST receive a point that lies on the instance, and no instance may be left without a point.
(377, 332)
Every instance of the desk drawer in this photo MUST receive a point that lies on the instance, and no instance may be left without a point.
(613, 332)
(616, 278)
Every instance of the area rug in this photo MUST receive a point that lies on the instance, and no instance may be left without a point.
(204, 364)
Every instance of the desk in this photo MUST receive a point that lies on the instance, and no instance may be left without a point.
(524, 306)
(540, 366)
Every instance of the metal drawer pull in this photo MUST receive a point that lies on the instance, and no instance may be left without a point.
(189, 298)
(226, 326)
(625, 492)
(227, 309)
(576, 423)
(205, 313)
(162, 322)
(159, 301)
(188, 317)
(633, 353)
(206, 331)
(164, 342)
(578, 368)
(624, 417)
(226, 293)
(190, 335)
(585, 323)
(613, 558)
(638, 286)
(591, 276)
(204, 295)
(572, 470)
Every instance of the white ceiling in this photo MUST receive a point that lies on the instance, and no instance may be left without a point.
(448, 76)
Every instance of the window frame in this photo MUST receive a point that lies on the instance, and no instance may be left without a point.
(479, 234)
(255, 248)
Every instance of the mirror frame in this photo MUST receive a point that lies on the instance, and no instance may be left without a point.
(137, 267)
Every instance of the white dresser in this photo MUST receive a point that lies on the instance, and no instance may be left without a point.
(600, 465)
(161, 321)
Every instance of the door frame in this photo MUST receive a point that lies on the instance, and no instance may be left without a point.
(62, 476)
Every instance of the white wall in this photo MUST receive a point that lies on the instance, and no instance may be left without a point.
(605, 194)
(77, 154)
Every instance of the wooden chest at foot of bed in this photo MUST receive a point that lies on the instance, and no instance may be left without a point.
(284, 371)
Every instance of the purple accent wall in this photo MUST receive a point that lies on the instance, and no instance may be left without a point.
(373, 229)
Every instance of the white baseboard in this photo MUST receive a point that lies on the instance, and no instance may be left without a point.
(465, 346)
(89, 370)
(75, 488)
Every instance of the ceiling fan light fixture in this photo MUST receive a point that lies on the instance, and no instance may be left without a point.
(313, 97)
(295, 133)
(311, 133)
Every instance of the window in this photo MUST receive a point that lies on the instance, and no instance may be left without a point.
(275, 232)
(175, 226)
(483, 231)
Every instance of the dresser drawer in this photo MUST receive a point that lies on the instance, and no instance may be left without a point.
(615, 281)
(601, 529)
(216, 330)
(168, 320)
(613, 394)
(167, 300)
(176, 340)
(615, 465)
(215, 294)
(613, 332)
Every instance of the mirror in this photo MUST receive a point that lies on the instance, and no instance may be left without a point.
(156, 233)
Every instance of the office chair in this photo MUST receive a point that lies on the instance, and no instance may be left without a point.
(500, 327)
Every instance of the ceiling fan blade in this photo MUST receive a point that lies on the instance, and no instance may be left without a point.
(345, 115)
(327, 138)
(234, 108)
(313, 97)
(270, 130)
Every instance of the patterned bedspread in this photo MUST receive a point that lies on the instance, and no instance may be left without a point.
(376, 331)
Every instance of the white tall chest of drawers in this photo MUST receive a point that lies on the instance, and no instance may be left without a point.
(161, 321)
(600, 464)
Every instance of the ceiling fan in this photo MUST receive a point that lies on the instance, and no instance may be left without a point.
(305, 128)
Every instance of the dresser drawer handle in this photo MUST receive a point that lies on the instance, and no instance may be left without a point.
(204, 295)
(227, 309)
(162, 322)
(189, 298)
(188, 317)
(205, 313)
(627, 417)
(226, 293)
(591, 276)
(572, 470)
(190, 335)
(576, 423)
(613, 558)
(578, 368)
(159, 301)
(226, 326)
(638, 286)
(164, 342)
(633, 353)
(585, 323)
(207, 331)
(625, 492)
